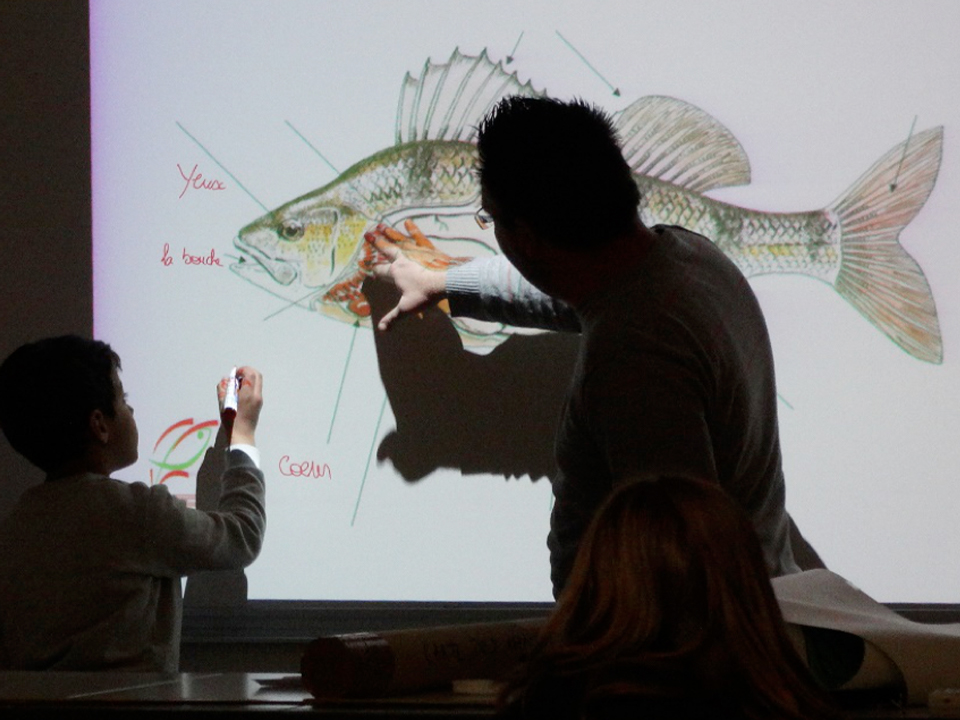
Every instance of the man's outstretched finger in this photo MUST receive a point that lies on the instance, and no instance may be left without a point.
(386, 248)
(392, 234)
(416, 234)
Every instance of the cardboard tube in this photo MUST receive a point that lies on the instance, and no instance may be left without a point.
(392, 663)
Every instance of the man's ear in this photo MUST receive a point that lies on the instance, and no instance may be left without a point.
(99, 427)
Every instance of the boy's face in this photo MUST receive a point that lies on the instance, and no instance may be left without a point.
(124, 437)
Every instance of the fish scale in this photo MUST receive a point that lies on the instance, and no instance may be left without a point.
(429, 173)
(759, 243)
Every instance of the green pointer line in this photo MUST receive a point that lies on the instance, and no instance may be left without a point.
(329, 164)
(906, 145)
(293, 303)
(343, 380)
(366, 470)
(232, 177)
(311, 146)
(250, 194)
(616, 91)
(516, 45)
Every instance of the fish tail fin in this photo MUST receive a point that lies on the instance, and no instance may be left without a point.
(877, 276)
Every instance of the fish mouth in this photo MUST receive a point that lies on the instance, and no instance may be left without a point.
(280, 270)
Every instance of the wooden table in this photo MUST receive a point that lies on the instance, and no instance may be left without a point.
(68, 695)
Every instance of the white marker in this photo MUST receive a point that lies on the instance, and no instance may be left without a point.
(229, 411)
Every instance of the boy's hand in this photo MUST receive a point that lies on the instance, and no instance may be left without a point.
(249, 403)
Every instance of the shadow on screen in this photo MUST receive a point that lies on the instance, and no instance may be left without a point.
(493, 414)
(490, 414)
(218, 588)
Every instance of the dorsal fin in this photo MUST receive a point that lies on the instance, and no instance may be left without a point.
(673, 141)
(450, 99)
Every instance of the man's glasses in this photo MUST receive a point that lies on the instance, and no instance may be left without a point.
(483, 220)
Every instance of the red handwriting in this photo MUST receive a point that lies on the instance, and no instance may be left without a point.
(210, 259)
(307, 468)
(197, 181)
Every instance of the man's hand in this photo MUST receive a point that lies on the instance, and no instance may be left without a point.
(413, 265)
(249, 403)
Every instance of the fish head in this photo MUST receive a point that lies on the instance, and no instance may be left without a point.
(309, 243)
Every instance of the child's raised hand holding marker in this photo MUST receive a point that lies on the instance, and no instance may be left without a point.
(240, 397)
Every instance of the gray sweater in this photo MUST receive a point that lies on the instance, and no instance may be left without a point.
(90, 568)
(674, 377)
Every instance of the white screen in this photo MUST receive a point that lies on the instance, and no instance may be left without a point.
(262, 102)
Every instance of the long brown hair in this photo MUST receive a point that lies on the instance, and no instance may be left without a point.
(669, 598)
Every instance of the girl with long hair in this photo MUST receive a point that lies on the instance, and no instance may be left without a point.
(668, 613)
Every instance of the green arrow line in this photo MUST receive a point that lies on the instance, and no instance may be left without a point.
(292, 303)
(616, 91)
(264, 207)
(366, 470)
(906, 145)
(220, 164)
(343, 380)
(330, 165)
(312, 147)
(515, 46)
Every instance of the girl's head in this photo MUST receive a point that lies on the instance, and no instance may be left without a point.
(669, 600)
(667, 565)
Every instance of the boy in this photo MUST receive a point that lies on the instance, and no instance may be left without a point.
(90, 566)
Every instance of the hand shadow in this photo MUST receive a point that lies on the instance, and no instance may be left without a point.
(215, 588)
(492, 414)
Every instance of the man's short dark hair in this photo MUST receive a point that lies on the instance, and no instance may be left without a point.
(48, 389)
(558, 167)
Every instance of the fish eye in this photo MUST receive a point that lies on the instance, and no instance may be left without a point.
(291, 230)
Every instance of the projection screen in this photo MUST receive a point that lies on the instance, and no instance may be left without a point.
(241, 149)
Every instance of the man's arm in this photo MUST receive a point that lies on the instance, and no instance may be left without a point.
(492, 289)
(483, 289)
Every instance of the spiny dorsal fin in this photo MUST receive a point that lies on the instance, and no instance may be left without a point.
(673, 141)
(450, 99)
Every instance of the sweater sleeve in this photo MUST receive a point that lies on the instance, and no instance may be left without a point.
(492, 289)
(179, 540)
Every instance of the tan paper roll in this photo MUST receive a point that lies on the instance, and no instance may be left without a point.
(403, 661)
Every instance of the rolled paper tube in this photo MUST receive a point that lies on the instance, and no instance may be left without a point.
(358, 665)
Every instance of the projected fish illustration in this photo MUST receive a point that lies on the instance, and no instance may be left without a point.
(311, 251)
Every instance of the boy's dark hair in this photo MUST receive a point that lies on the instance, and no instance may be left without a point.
(48, 389)
(558, 167)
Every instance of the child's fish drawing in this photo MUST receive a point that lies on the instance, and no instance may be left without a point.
(311, 251)
(177, 450)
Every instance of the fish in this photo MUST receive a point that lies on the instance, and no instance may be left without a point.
(311, 252)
